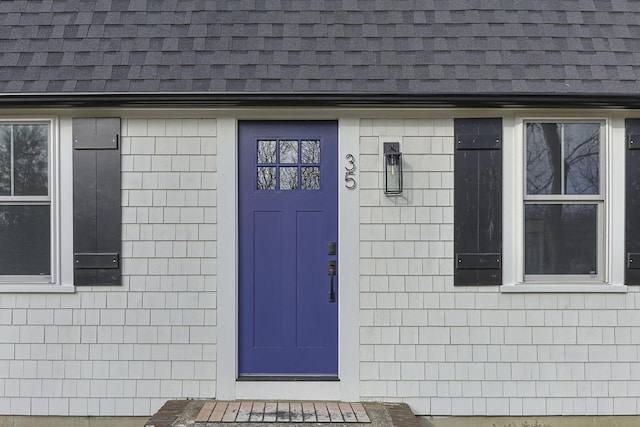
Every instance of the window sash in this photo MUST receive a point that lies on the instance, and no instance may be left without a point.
(20, 200)
(35, 200)
(600, 200)
(564, 199)
(560, 169)
(565, 245)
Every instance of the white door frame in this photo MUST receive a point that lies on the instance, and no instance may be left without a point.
(227, 388)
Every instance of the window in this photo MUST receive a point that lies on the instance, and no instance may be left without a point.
(25, 202)
(288, 165)
(564, 204)
(564, 201)
(540, 203)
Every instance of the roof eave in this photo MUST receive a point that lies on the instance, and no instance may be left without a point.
(319, 99)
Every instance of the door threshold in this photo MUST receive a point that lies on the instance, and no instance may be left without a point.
(247, 389)
(260, 377)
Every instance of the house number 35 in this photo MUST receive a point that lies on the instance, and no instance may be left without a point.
(349, 180)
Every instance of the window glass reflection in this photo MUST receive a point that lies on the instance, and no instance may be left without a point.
(543, 158)
(287, 156)
(288, 151)
(266, 151)
(310, 179)
(5, 160)
(310, 151)
(266, 178)
(561, 239)
(288, 178)
(563, 158)
(26, 245)
(30, 160)
(582, 158)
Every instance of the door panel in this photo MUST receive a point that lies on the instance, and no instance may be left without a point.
(268, 229)
(288, 214)
(309, 312)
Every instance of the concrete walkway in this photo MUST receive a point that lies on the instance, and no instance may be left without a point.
(211, 413)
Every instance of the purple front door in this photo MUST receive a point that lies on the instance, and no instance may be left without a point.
(288, 229)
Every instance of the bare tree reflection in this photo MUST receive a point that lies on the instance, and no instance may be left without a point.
(24, 227)
(288, 150)
(30, 160)
(5, 160)
(562, 159)
(573, 160)
(266, 152)
(24, 160)
(267, 178)
(310, 151)
(288, 178)
(310, 178)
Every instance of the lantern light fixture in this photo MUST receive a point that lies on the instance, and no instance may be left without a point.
(392, 168)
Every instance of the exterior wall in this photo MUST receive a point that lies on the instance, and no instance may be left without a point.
(446, 351)
(125, 350)
(473, 350)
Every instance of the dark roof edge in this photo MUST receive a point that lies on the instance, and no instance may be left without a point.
(318, 99)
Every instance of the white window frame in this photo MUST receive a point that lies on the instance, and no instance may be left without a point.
(57, 280)
(610, 277)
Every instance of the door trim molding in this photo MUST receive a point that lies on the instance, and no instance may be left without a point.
(227, 283)
(349, 262)
(227, 386)
(288, 390)
(280, 378)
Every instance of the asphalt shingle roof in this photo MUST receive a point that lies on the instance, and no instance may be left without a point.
(320, 46)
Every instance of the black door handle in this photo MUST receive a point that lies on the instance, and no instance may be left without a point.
(331, 271)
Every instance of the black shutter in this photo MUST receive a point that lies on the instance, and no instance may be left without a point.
(97, 213)
(632, 204)
(478, 202)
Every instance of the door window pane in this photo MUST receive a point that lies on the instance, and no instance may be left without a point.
(266, 178)
(561, 239)
(288, 151)
(310, 151)
(310, 178)
(287, 156)
(266, 151)
(289, 178)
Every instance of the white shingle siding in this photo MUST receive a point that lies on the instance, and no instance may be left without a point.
(395, 233)
(445, 350)
(472, 350)
(125, 350)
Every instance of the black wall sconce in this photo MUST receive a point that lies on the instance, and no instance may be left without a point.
(392, 168)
